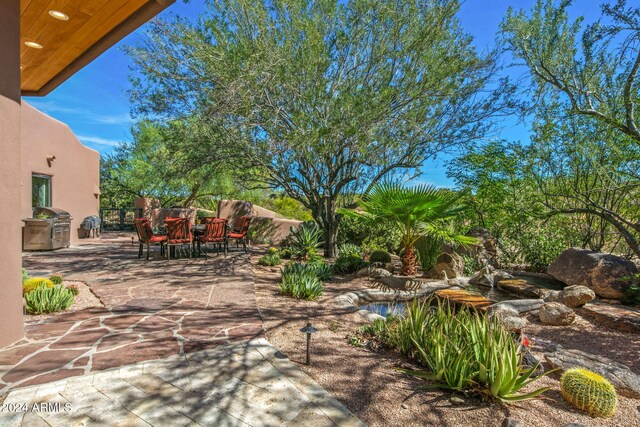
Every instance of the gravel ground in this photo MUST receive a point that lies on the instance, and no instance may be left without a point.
(369, 384)
(84, 299)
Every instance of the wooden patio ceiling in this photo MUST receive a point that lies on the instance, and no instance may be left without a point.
(62, 36)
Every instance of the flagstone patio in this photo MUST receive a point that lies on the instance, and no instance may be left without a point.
(152, 309)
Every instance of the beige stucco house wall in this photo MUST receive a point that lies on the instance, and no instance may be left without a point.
(75, 172)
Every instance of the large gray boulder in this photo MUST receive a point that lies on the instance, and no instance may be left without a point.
(484, 277)
(577, 296)
(450, 264)
(626, 382)
(600, 272)
(556, 314)
(519, 305)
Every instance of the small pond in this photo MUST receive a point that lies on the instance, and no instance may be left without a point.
(397, 307)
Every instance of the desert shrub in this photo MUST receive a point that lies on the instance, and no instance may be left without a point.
(349, 264)
(56, 279)
(306, 240)
(33, 283)
(25, 275)
(273, 251)
(300, 281)
(461, 350)
(285, 253)
(380, 256)
(322, 270)
(589, 392)
(270, 260)
(428, 250)
(631, 294)
(48, 300)
(368, 236)
(73, 289)
(539, 249)
(349, 249)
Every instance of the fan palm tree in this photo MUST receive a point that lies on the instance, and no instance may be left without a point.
(417, 211)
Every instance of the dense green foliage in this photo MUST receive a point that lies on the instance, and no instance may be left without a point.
(428, 249)
(380, 256)
(415, 212)
(270, 260)
(321, 99)
(589, 392)
(631, 294)
(48, 299)
(461, 350)
(369, 237)
(349, 249)
(348, 264)
(301, 281)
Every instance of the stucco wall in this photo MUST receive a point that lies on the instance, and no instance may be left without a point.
(75, 171)
(11, 319)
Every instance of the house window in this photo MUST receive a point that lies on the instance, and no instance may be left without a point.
(40, 190)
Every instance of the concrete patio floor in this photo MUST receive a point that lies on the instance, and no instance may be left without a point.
(239, 384)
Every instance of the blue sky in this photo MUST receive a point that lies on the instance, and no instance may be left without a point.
(95, 104)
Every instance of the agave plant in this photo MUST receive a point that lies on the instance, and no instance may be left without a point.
(306, 241)
(418, 211)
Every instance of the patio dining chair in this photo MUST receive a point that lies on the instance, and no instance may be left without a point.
(240, 231)
(178, 234)
(215, 233)
(146, 236)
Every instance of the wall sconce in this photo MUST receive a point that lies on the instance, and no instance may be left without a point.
(50, 160)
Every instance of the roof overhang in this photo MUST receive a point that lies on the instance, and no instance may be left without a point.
(69, 45)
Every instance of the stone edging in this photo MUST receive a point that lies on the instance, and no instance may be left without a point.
(352, 300)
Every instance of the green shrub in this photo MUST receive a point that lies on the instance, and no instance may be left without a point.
(428, 250)
(349, 264)
(368, 236)
(56, 279)
(306, 240)
(322, 270)
(300, 281)
(631, 294)
(463, 350)
(25, 275)
(73, 289)
(273, 251)
(285, 253)
(589, 392)
(380, 256)
(349, 249)
(470, 265)
(270, 259)
(32, 284)
(48, 300)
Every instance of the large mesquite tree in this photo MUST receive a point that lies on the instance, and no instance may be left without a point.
(321, 98)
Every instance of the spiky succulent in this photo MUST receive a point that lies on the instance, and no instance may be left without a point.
(589, 392)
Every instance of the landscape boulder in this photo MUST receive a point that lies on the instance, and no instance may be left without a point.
(556, 314)
(577, 296)
(509, 318)
(519, 305)
(484, 277)
(626, 382)
(552, 296)
(485, 251)
(374, 272)
(450, 264)
(520, 287)
(600, 272)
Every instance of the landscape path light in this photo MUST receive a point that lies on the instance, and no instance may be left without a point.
(309, 329)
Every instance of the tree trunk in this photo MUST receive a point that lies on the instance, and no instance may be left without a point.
(409, 262)
(331, 239)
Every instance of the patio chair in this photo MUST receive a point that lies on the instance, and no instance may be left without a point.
(178, 234)
(215, 233)
(240, 230)
(146, 236)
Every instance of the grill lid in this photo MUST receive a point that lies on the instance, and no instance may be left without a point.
(51, 213)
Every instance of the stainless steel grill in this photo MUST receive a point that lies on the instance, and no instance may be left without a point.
(50, 228)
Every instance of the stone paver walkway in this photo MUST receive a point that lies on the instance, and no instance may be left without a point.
(234, 385)
(152, 309)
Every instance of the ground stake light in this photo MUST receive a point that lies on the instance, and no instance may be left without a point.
(309, 329)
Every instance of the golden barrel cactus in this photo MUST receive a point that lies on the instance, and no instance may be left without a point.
(34, 283)
(589, 392)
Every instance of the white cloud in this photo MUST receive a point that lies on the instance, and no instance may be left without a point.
(99, 141)
(119, 119)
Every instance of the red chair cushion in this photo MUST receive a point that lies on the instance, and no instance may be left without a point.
(158, 239)
(236, 235)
